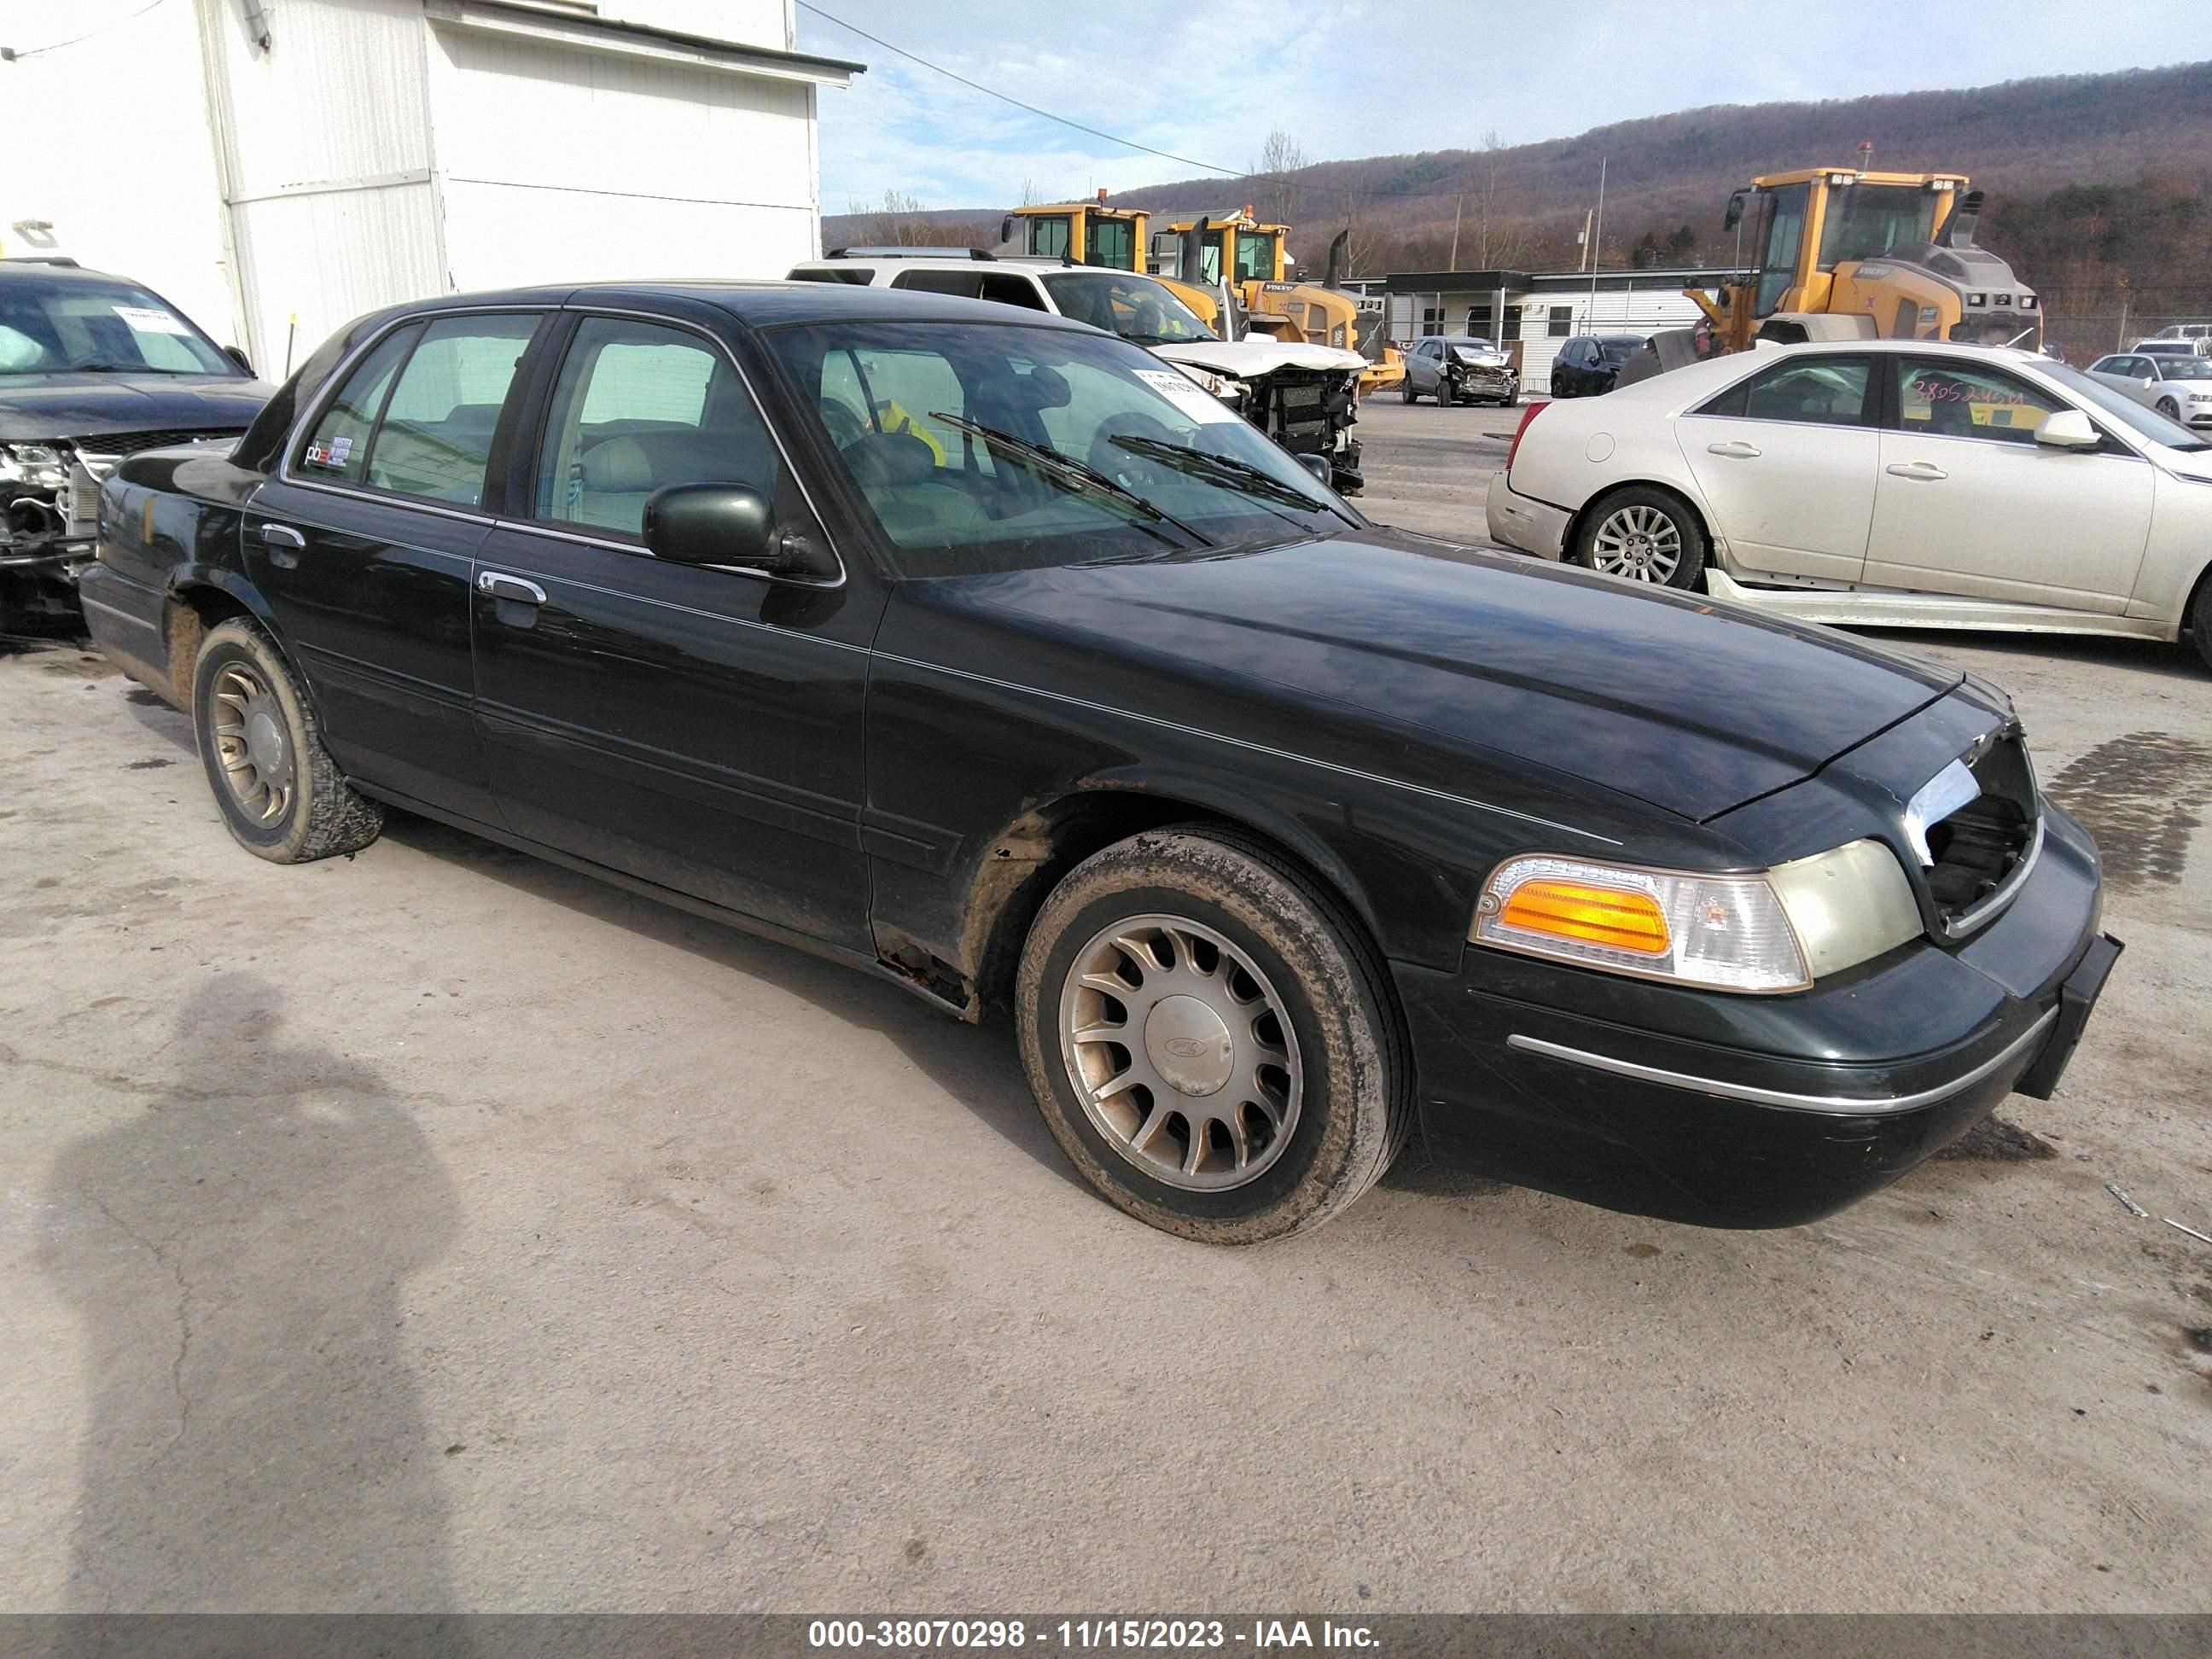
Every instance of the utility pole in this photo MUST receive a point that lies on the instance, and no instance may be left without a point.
(1599, 236)
(1452, 264)
(1582, 261)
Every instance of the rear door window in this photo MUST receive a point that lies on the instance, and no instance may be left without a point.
(435, 439)
(337, 451)
(1808, 391)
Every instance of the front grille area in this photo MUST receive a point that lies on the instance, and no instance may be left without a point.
(111, 446)
(1978, 847)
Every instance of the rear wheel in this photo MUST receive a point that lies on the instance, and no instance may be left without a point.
(2200, 619)
(1406, 387)
(281, 793)
(1643, 534)
(1208, 1038)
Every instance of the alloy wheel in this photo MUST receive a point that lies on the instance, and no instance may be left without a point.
(1639, 541)
(1181, 1051)
(252, 744)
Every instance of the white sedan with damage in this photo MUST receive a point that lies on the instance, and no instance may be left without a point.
(1904, 483)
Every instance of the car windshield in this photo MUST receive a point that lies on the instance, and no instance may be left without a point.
(62, 324)
(1135, 308)
(2144, 423)
(2186, 368)
(1866, 219)
(1474, 348)
(1619, 348)
(981, 447)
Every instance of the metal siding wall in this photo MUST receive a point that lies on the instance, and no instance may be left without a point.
(747, 23)
(329, 156)
(165, 227)
(556, 163)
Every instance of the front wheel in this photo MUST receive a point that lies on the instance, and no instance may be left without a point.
(1209, 1039)
(1443, 392)
(282, 795)
(2200, 620)
(1644, 535)
(2170, 409)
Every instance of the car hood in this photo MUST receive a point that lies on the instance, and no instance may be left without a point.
(1691, 706)
(37, 408)
(1482, 359)
(1249, 359)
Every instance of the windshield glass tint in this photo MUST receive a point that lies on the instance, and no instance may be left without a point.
(64, 324)
(2123, 410)
(1865, 220)
(1174, 469)
(2193, 369)
(1619, 351)
(1135, 308)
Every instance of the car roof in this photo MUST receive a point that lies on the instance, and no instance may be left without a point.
(761, 304)
(49, 270)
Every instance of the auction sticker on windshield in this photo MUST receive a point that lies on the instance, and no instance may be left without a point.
(143, 319)
(1185, 394)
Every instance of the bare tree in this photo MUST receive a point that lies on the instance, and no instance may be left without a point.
(1498, 241)
(900, 221)
(1279, 157)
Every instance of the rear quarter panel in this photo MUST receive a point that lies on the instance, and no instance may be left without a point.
(169, 520)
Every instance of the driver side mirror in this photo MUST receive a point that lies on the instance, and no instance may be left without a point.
(238, 356)
(1319, 465)
(729, 524)
(1735, 212)
(2068, 429)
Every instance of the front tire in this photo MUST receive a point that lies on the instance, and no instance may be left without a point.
(2170, 409)
(1443, 392)
(281, 794)
(1209, 1039)
(1644, 535)
(2200, 620)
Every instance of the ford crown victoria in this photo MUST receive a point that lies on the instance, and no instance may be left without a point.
(1282, 840)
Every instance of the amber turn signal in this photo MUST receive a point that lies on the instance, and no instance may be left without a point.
(1621, 919)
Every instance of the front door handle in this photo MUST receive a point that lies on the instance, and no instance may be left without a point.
(1921, 470)
(284, 545)
(501, 586)
(1735, 450)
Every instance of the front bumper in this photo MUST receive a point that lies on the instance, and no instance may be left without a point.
(38, 579)
(1526, 524)
(1754, 1112)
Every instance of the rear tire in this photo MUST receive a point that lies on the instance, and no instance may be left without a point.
(2200, 620)
(1642, 535)
(1406, 388)
(1261, 1087)
(281, 794)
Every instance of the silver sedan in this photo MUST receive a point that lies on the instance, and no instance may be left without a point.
(2179, 388)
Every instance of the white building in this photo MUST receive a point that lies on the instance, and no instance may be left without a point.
(1532, 314)
(274, 167)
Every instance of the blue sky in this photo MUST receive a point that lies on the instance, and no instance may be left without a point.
(1209, 78)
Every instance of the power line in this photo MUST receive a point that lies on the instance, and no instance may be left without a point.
(990, 92)
(13, 56)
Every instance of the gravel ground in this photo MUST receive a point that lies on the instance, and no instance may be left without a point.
(437, 1229)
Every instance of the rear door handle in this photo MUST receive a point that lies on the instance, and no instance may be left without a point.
(1921, 470)
(284, 545)
(1736, 451)
(501, 586)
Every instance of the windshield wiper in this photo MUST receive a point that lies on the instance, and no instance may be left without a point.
(1069, 474)
(1224, 471)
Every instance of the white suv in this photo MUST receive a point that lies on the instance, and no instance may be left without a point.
(1302, 396)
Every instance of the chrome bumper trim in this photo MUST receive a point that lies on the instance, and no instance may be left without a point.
(1844, 1105)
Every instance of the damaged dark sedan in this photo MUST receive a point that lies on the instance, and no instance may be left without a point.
(92, 367)
(983, 654)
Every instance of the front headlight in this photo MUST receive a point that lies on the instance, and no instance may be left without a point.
(1774, 931)
(36, 466)
(1221, 385)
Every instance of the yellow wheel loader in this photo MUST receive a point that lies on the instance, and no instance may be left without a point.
(1840, 254)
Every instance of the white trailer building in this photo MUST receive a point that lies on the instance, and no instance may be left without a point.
(1533, 313)
(274, 167)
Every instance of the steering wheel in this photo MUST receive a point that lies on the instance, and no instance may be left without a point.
(1126, 467)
